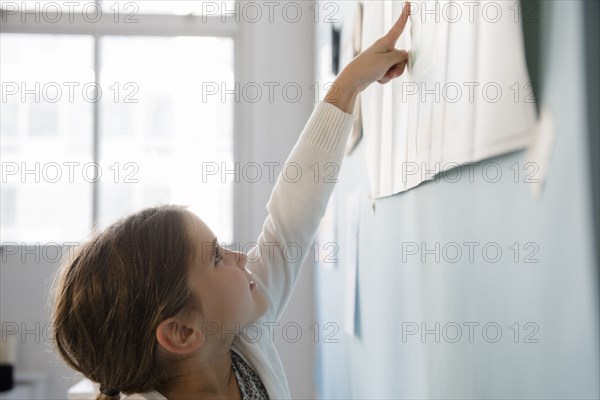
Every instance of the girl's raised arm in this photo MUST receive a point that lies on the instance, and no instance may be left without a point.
(302, 191)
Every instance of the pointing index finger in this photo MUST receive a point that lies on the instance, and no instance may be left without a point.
(396, 30)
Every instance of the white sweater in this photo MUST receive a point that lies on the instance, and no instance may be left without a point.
(295, 211)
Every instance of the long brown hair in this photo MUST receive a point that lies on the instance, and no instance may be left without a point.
(114, 291)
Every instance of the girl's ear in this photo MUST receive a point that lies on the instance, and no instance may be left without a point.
(178, 338)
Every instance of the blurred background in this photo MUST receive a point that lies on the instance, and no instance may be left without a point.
(108, 107)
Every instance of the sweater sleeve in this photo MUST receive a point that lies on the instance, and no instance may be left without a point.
(297, 205)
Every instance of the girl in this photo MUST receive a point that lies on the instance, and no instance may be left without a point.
(154, 308)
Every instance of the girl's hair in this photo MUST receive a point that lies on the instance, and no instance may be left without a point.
(114, 291)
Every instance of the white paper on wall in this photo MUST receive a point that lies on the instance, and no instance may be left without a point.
(352, 220)
(372, 97)
(540, 151)
(505, 111)
(400, 107)
(464, 97)
(461, 77)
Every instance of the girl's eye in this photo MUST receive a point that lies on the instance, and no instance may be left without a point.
(218, 256)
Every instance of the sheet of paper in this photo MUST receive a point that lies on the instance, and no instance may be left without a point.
(400, 113)
(417, 117)
(539, 152)
(351, 259)
(386, 153)
(372, 97)
(461, 62)
(505, 107)
(438, 80)
(459, 100)
(326, 249)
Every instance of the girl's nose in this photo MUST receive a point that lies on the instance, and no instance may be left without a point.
(243, 258)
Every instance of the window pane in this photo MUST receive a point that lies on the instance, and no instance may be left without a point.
(157, 133)
(178, 7)
(46, 133)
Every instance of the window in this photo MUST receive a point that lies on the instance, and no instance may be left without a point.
(101, 119)
(43, 133)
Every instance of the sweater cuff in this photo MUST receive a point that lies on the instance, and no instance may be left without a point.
(328, 127)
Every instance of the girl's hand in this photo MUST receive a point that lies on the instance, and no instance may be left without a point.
(381, 62)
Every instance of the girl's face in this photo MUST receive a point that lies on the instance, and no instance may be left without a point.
(221, 282)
